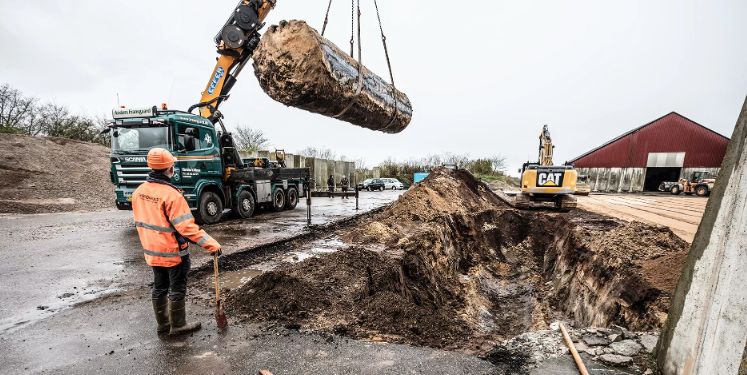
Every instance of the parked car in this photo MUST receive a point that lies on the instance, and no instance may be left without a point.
(373, 184)
(364, 185)
(393, 184)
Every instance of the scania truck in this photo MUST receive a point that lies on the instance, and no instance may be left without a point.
(209, 168)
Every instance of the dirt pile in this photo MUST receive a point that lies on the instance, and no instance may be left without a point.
(450, 265)
(47, 174)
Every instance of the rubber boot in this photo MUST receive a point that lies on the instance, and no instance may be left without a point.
(178, 317)
(161, 309)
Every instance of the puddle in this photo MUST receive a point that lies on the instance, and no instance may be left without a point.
(235, 279)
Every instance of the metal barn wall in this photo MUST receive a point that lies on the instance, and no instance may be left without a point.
(627, 180)
(671, 133)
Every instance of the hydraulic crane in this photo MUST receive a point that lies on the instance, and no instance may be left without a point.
(236, 42)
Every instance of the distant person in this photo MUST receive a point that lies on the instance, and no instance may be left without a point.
(166, 227)
(344, 185)
(331, 185)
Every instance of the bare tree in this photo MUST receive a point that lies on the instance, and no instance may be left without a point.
(321, 153)
(15, 109)
(248, 139)
(500, 163)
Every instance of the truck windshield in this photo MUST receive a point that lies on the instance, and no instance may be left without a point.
(131, 139)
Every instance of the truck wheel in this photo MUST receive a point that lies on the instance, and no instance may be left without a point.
(675, 190)
(244, 205)
(369, 188)
(701, 191)
(209, 209)
(278, 199)
(292, 199)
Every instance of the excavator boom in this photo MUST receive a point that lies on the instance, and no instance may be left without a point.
(546, 147)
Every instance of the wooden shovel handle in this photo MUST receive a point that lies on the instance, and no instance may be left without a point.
(217, 285)
(574, 352)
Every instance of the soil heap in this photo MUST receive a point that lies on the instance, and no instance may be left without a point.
(48, 174)
(450, 265)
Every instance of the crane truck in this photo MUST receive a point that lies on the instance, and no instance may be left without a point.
(544, 182)
(209, 169)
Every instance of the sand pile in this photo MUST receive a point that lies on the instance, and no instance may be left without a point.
(48, 174)
(449, 265)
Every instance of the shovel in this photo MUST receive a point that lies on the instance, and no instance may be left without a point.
(220, 315)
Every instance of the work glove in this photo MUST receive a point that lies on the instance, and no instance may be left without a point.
(219, 252)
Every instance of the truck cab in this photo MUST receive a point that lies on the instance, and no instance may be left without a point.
(191, 139)
(211, 177)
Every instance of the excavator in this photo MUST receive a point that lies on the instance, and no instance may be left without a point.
(544, 182)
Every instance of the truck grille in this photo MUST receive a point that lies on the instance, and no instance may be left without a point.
(132, 174)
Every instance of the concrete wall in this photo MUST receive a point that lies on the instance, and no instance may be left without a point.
(706, 329)
(320, 168)
(626, 180)
(615, 180)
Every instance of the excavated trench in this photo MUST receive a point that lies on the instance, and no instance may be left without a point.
(451, 266)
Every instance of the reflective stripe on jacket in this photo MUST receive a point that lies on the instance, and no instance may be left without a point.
(165, 224)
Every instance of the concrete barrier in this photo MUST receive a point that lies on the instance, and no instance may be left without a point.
(706, 329)
(320, 168)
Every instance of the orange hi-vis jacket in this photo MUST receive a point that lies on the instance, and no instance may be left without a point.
(165, 225)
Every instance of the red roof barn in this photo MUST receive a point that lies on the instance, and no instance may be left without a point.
(664, 147)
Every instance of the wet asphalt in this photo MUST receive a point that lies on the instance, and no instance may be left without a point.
(53, 261)
(76, 299)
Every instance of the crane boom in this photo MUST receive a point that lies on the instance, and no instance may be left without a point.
(546, 147)
(236, 43)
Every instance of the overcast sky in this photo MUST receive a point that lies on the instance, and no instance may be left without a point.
(483, 76)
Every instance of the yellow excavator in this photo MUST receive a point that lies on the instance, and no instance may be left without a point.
(544, 182)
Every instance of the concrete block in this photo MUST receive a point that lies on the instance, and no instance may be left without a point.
(706, 328)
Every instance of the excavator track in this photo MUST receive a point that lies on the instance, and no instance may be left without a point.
(566, 203)
(522, 201)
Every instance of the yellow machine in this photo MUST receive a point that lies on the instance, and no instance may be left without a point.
(582, 185)
(235, 43)
(545, 182)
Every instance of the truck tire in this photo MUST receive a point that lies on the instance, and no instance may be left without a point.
(701, 191)
(278, 199)
(209, 208)
(244, 205)
(369, 188)
(291, 199)
(676, 190)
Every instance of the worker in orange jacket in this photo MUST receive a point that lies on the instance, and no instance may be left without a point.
(166, 227)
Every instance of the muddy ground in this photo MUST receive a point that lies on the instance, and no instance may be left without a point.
(449, 265)
(49, 174)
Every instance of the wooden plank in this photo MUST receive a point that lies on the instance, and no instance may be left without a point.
(299, 68)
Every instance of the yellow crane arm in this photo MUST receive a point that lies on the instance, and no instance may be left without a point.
(546, 147)
(236, 43)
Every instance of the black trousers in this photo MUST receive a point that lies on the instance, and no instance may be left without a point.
(171, 280)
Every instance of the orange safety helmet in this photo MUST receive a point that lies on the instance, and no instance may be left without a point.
(160, 158)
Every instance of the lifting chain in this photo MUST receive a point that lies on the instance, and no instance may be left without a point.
(352, 24)
(326, 17)
(389, 64)
(360, 58)
(360, 61)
